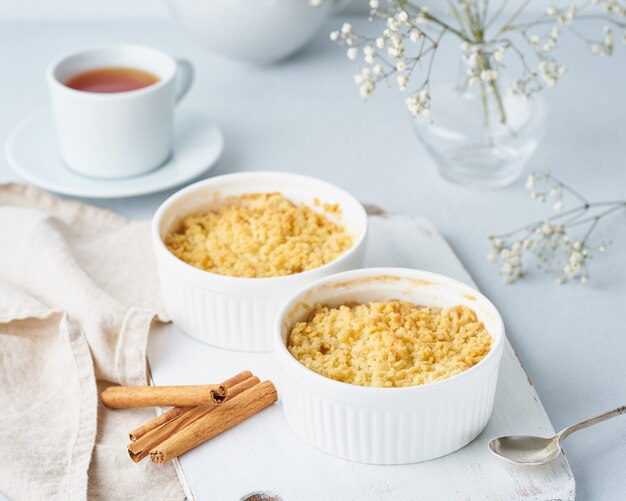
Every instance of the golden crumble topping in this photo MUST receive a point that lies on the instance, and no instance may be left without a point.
(259, 235)
(390, 344)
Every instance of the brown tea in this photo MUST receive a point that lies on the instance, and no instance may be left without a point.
(113, 79)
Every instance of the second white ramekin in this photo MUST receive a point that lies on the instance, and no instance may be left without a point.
(233, 312)
(388, 425)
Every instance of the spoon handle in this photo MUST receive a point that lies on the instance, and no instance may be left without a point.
(590, 422)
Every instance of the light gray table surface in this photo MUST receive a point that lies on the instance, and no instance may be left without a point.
(305, 116)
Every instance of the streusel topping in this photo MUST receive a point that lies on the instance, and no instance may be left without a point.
(259, 235)
(390, 344)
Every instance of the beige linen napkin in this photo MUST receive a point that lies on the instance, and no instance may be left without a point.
(78, 294)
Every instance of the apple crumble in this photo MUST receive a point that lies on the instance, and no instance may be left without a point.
(389, 344)
(259, 235)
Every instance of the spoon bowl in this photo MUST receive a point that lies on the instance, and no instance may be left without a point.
(526, 450)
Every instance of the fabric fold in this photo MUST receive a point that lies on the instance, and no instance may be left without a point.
(78, 294)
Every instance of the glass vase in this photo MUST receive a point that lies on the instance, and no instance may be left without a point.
(479, 139)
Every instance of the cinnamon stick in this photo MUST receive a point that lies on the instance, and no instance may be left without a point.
(236, 379)
(124, 397)
(177, 411)
(161, 419)
(141, 447)
(222, 418)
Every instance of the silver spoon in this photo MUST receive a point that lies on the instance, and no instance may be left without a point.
(532, 451)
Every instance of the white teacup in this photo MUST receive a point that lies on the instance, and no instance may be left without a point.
(117, 134)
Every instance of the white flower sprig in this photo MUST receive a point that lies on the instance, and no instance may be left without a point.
(560, 244)
(412, 34)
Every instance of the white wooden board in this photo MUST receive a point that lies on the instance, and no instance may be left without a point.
(264, 455)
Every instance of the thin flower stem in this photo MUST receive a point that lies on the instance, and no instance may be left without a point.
(416, 9)
(575, 217)
(432, 58)
(580, 210)
(511, 19)
(456, 14)
(485, 12)
(603, 214)
(581, 36)
(519, 53)
(474, 28)
(550, 20)
(485, 105)
(497, 14)
(590, 230)
(496, 91)
(572, 191)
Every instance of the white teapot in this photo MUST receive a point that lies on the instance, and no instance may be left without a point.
(254, 31)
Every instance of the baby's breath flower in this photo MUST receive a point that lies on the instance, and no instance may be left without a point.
(403, 81)
(422, 16)
(567, 17)
(411, 35)
(550, 45)
(366, 89)
(488, 75)
(553, 243)
(499, 54)
(418, 103)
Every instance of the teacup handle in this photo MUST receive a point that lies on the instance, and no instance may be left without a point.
(184, 78)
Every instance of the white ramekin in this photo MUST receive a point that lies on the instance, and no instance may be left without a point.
(387, 425)
(232, 312)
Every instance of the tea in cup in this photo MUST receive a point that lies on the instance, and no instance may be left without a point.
(112, 79)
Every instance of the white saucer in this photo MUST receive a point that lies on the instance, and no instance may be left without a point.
(32, 152)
